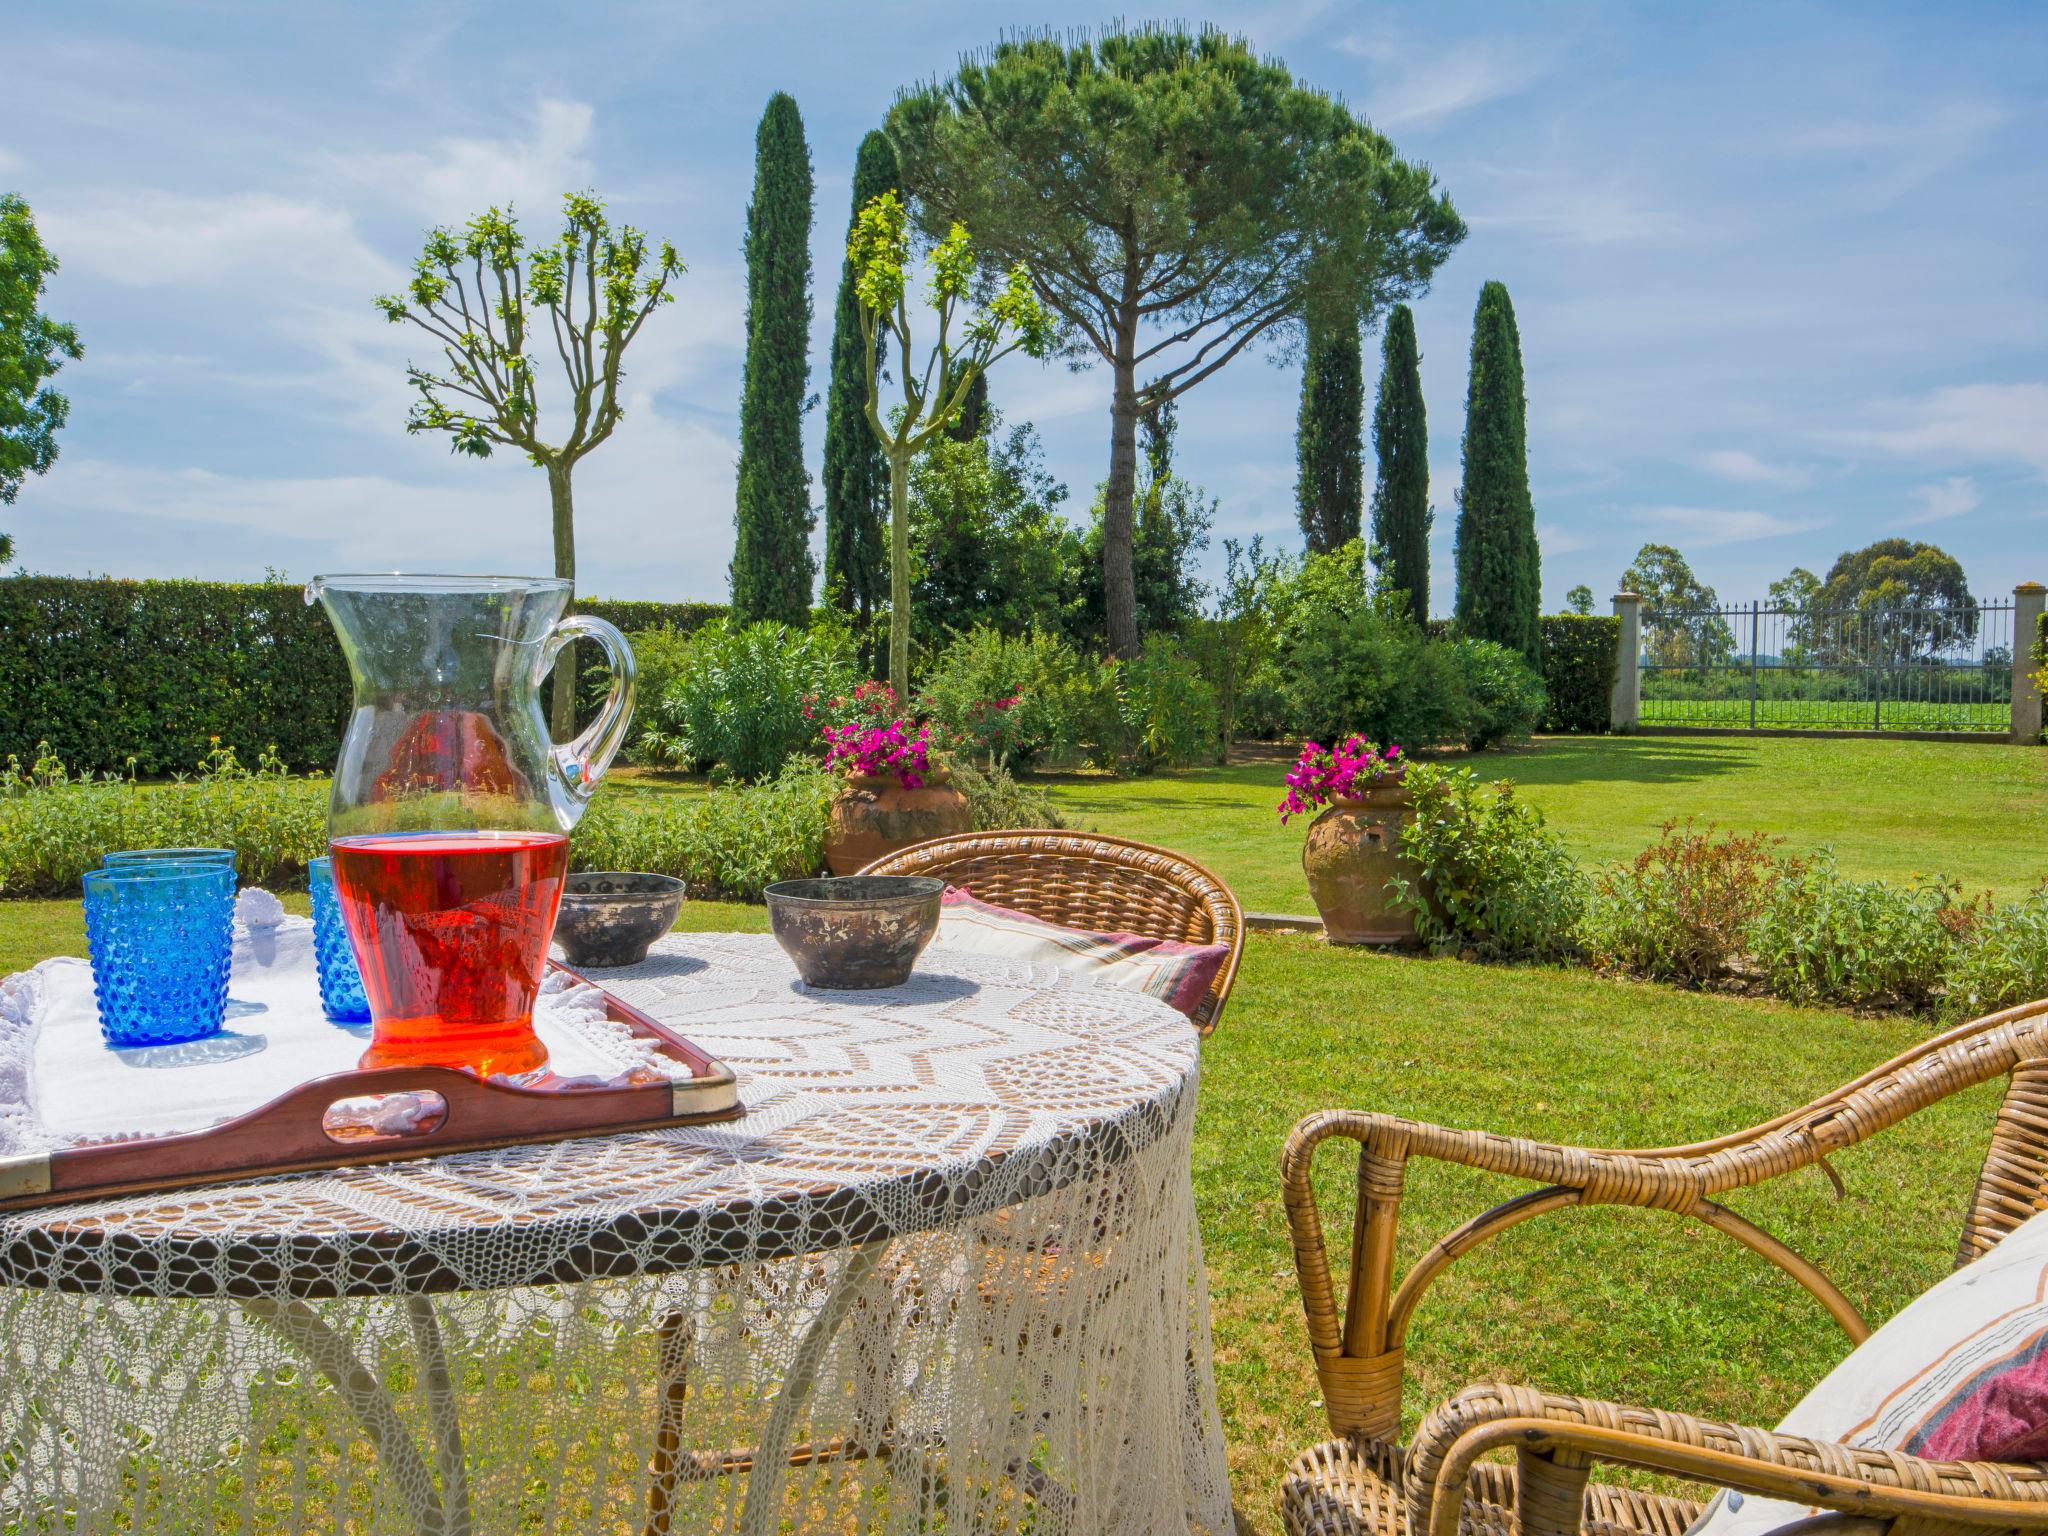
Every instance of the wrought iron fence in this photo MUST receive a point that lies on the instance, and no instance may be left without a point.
(1933, 667)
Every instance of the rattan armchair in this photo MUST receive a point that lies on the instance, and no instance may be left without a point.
(1082, 880)
(1365, 1483)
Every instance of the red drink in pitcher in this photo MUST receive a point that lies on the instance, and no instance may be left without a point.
(451, 930)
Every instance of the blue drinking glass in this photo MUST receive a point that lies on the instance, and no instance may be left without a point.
(161, 939)
(334, 952)
(128, 858)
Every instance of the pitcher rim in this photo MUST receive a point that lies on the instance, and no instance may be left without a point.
(422, 581)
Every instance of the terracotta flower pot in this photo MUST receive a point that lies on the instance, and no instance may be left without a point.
(1351, 850)
(875, 814)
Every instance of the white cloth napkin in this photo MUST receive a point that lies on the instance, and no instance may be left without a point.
(61, 1086)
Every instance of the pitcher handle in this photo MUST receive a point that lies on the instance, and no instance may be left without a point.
(578, 764)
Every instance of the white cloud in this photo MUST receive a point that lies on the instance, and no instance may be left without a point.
(1426, 90)
(8, 162)
(1710, 527)
(1745, 468)
(142, 238)
(1566, 207)
(1944, 499)
(458, 176)
(1895, 154)
(1994, 423)
(1555, 539)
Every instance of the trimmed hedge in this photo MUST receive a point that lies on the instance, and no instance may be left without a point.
(1580, 655)
(151, 673)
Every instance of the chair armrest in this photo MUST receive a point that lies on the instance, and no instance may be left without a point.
(1557, 1439)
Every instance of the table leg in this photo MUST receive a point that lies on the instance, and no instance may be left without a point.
(434, 1514)
(760, 1512)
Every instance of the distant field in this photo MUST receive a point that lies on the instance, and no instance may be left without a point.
(1831, 714)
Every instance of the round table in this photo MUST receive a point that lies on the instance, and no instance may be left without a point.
(944, 1272)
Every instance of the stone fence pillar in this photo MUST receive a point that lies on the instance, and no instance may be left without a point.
(2027, 598)
(1625, 709)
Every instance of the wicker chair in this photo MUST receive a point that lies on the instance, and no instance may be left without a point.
(1084, 881)
(1364, 1483)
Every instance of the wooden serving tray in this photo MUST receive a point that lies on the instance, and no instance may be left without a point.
(300, 1130)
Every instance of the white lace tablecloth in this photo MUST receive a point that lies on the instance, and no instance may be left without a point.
(947, 1261)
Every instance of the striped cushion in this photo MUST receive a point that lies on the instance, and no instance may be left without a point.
(1961, 1374)
(1178, 974)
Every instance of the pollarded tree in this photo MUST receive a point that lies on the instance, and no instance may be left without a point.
(1011, 320)
(1328, 441)
(1400, 435)
(484, 296)
(32, 348)
(771, 559)
(1176, 199)
(1499, 585)
(856, 473)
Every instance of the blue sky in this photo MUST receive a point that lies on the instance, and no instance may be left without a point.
(1778, 269)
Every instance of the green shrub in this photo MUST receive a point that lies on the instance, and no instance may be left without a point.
(1825, 939)
(54, 826)
(149, 676)
(999, 803)
(730, 842)
(1581, 653)
(745, 701)
(1376, 675)
(1154, 711)
(663, 657)
(1493, 878)
(1682, 910)
(964, 694)
(1505, 694)
(2005, 961)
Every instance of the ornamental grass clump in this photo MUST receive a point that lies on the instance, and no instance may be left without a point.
(1826, 939)
(1682, 909)
(1343, 772)
(1493, 880)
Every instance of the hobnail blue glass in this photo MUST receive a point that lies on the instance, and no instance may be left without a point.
(125, 858)
(161, 939)
(334, 952)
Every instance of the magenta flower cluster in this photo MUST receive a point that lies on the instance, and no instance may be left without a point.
(1321, 774)
(877, 746)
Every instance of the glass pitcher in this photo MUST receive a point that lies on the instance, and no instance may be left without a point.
(451, 810)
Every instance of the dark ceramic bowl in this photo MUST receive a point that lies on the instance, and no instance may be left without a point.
(857, 932)
(610, 919)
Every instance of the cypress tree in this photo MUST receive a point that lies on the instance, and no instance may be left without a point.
(1498, 568)
(856, 472)
(771, 562)
(1400, 439)
(1328, 484)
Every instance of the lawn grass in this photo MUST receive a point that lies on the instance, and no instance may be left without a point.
(1893, 809)
(1626, 1304)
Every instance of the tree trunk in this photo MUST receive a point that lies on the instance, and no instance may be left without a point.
(1119, 588)
(899, 575)
(562, 707)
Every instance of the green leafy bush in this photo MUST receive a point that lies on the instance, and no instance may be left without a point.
(745, 701)
(663, 657)
(965, 692)
(2005, 961)
(1154, 711)
(999, 803)
(1504, 692)
(1682, 910)
(54, 826)
(1822, 938)
(148, 676)
(1581, 653)
(730, 842)
(1493, 878)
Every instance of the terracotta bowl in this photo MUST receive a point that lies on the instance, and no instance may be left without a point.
(610, 918)
(856, 932)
